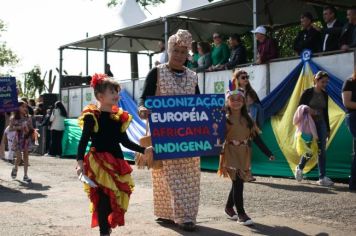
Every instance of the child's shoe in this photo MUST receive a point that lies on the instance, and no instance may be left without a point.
(13, 173)
(230, 212)
(244, 219)
(27, 179)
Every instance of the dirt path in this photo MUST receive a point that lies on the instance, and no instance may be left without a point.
(54, 204)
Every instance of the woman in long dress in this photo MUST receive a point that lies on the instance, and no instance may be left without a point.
(176, 182)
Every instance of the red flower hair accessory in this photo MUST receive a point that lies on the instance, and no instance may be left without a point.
(96, 79)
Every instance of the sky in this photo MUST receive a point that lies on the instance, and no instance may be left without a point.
(37, 28)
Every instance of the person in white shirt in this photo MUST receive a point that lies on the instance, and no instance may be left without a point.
(163, 55)
(57, 128)
(10, 136)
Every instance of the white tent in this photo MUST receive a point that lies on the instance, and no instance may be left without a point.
(129, 13)
(175, 6)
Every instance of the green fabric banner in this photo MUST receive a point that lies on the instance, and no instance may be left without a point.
(337, 163)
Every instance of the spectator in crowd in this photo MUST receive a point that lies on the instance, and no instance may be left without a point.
(2, 128)
(40, 109)
(266, 47)
(349, 100)
(317, 99)
(29, 108)
(204, 61)
(308, 37)
(108, 70)
(32, 103)
(163, 55)
(193, 59)
(46, 124)
(57, 128)
(238, 53)
(331, 32)
(348, 33)
(220, 52)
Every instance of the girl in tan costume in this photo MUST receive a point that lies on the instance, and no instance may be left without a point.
(236, 153)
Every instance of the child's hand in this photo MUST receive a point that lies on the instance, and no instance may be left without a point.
(143, 112)
(149, 150)
(79, 167)
(271, 158)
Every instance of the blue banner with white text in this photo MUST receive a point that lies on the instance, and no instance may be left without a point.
(186, 125)
(8, 94)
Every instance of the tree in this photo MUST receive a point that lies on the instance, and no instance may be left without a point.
(144, 3)
(7, 56)
(34, 83)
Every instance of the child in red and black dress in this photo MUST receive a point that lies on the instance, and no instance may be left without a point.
(106, 126)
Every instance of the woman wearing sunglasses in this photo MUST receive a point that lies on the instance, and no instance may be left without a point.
(254, 106)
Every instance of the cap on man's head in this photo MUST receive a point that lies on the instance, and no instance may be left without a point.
(260, 30)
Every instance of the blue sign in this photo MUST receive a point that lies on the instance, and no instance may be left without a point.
(8, 94)
(186, 125)
(306, 55)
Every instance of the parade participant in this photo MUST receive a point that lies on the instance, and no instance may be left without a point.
(176, 184)
(104, 165)
(254, 106)
(236, 152)
(306, 138)
(317, 99)
(10, 137)
(22, 124)
(349, 100)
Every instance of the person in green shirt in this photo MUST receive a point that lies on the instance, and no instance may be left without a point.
(220, 52)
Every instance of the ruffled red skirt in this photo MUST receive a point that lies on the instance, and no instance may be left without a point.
(112, 176)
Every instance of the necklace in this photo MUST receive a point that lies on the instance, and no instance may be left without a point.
(180, 78)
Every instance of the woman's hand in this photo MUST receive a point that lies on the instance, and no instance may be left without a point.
(149, 150)
(143, 112)
(79, 167)
(313, 112)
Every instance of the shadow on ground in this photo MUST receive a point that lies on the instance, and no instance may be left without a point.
(201, 230)
(277, 230)
(34, 186)
(13, 195)
(302, 188)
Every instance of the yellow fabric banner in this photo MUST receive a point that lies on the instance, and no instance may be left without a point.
(283, 127)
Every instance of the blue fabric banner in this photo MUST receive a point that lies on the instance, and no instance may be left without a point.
(277, 99)
(334, 87)
(187, 125)
(8, 94)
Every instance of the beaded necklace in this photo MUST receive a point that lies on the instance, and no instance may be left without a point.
(179, 77)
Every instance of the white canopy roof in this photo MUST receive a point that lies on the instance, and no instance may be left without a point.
(225, 17)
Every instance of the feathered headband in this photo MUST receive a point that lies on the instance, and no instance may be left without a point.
(96, 79)
(233, 89)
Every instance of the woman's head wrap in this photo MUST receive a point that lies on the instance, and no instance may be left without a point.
(182, 39)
